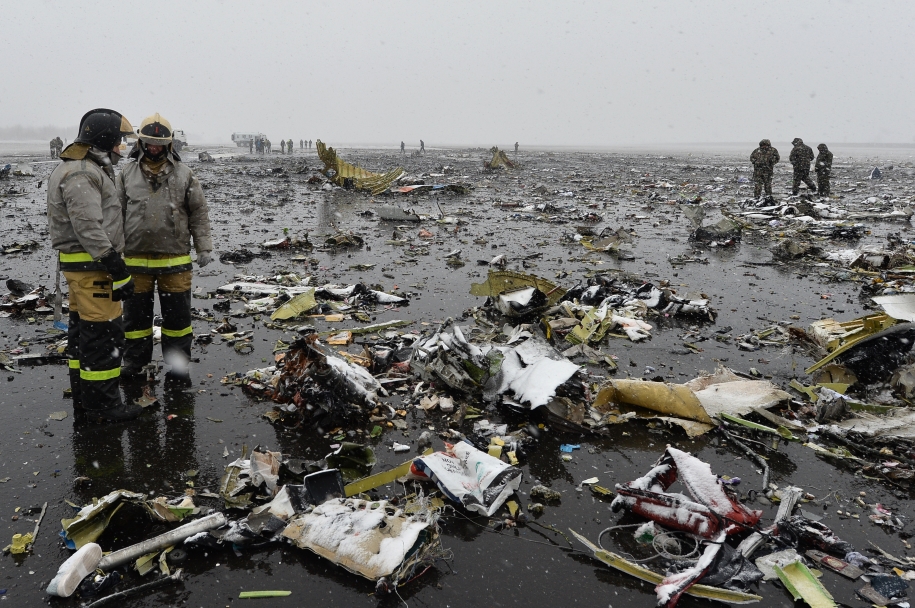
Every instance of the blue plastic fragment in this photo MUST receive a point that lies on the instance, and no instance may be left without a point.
(568, 447)
(68, 542)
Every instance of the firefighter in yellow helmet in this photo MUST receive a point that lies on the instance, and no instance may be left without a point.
(86, 226)
(165, 212)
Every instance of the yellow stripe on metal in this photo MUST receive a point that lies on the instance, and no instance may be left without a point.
(75, 257)
(180, 260)
(177, 333)
(106, 374)
(379, 479)
(73, 363)
(140, 333)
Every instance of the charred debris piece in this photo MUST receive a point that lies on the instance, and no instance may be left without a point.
(288, 297)
(26, 299)
(525, 377)
(586, 313)
(314, 384)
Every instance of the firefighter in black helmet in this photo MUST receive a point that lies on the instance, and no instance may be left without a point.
(165, 212)
(86, 227)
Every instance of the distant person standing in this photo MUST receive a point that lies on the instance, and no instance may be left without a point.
(290, 146)
(301, 144)
(54, 148)
(801, 156)
(282, 146)
(422, 146)
(516, 147)
(267, 145)
(250, 146)
(402, 149)
(823, 168)
(764, 159)
(310, 142)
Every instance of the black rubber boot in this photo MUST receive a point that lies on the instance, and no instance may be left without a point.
(100, 347)
(73, 360)
(138, 327)
(121, 413)
(176, 329)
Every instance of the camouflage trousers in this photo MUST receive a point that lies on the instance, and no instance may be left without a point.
(802, 175)
(762, 180)
(823, 182)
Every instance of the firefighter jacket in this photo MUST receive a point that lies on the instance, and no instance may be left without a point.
(85, 220)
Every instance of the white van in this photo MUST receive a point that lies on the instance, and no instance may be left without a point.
(243, 140)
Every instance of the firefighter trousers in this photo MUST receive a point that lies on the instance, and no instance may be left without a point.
(175, 302)
(95, 341)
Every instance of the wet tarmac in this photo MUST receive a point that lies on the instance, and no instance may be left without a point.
(256, 199)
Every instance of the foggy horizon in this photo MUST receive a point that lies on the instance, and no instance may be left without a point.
(575, 75)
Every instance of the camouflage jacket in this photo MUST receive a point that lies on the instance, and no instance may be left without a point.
(764, 159)
(824, 162)
(801, 156)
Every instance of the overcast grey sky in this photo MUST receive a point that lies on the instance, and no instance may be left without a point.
(600, 73)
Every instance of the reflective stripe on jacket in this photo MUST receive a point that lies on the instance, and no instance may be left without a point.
(153, 263)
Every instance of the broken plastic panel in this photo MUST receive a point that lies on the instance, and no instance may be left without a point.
(371, 538)
(92, 520)
(700, 400)
(802, 584)
(298, 305)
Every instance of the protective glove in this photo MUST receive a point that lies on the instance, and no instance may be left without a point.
(122, 285)
(204, 258)
(122, 290)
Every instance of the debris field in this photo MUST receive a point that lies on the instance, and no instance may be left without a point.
(472, 376)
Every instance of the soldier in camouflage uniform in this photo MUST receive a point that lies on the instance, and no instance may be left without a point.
(823, 167)
(801, 157)
(764, 159)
